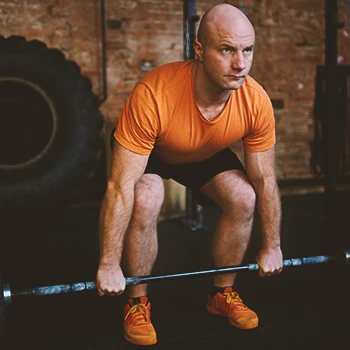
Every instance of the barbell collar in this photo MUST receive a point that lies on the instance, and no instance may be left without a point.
(7, 295)
(346, 255)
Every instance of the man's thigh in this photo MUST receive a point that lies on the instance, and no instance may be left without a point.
(196, 175)
(193, 175)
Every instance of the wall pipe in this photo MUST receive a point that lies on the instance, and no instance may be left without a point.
(331, 148)
(103, 51)
(194, 213)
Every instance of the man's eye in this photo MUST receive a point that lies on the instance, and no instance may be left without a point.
(226, 50)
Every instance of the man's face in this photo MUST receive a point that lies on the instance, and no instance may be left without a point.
(227, 55)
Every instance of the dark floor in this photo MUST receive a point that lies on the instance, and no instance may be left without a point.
(303, 308)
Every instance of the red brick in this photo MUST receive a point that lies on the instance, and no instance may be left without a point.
(289, 45)
(128, 4)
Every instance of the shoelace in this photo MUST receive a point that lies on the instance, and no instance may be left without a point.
(138, 314)
(235, 301)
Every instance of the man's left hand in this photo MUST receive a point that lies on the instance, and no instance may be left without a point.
(270, 261)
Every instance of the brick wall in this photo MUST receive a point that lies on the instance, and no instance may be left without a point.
(146, 33)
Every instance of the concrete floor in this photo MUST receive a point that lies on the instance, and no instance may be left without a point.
(302, 308)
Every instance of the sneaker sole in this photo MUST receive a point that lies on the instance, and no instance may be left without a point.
(132, 341)
(232, 323)
(254, 325)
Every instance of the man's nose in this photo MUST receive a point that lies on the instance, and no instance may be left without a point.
(238, 62)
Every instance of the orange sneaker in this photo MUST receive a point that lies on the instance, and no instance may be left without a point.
(138, 328)
(230, 305)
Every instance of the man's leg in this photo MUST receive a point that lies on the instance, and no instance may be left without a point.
(141, 243)
(232, 192)
(139, 255)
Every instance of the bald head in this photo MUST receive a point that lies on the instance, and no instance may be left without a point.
(226, 18)
(224, 51)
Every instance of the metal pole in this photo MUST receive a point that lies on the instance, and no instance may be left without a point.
(194, 214)
(342, 257)
(190, 19)
(331, 151)
(103, 52)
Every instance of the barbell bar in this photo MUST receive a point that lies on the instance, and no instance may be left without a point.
(342, 256)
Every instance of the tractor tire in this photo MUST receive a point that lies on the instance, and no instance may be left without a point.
(51, 138)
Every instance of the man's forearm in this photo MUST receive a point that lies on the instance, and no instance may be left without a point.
(115, 215)
(269, 208)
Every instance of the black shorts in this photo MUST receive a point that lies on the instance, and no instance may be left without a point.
(194, 175)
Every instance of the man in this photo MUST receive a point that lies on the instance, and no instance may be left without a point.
(179, 123)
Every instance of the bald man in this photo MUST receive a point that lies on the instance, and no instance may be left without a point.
(179, 122)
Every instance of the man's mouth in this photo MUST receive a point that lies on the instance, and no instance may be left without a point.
(236, 77)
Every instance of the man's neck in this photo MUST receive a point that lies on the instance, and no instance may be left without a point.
(210, 101)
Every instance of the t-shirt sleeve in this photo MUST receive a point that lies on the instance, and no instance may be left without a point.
(262, 134)
(137, 126)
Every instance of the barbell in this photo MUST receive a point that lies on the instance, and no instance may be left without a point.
(341, 257)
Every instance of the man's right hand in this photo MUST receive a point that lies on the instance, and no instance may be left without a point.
(110, 280)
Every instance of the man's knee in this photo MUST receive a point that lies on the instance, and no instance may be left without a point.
(149, 195)
(248, 198)
(242, 199)
(231, 190)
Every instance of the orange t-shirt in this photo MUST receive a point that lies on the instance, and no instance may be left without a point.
(162, 114)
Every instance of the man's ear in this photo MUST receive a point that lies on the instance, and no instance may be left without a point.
(198, 49)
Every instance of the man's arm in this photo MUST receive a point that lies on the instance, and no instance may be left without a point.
(261, 173)
(126, 170)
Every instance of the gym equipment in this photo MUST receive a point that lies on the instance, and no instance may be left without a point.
(341, 257)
